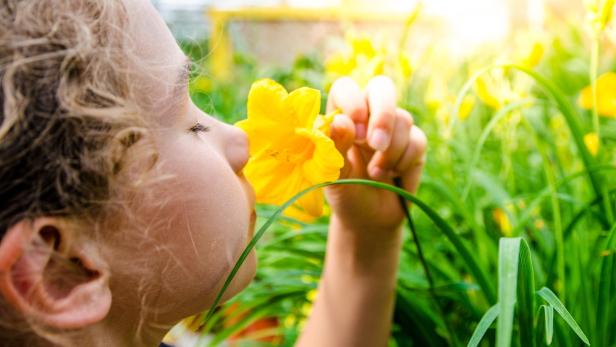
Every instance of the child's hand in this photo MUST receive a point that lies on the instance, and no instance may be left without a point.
(378, 141)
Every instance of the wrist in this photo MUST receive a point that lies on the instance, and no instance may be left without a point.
(365, 235)
(366, 249)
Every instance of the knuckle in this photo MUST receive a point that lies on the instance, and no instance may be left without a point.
(405, 116)
(404, 121)
(384, 118)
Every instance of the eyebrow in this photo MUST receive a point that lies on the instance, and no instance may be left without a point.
(182, 79)
(184, 73)
(180, 87)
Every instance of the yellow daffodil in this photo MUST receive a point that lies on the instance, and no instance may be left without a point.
(534, 54)
(501, 86)
(404, 65)
(487, 93)
(591, 140)
(290, 148)
(363, 60)
(467, 105)
(606, 95)
(439, 98)
(598, 14)
(502, 220)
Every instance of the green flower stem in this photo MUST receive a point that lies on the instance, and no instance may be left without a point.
(594, 67)
(555, 202)
(424, 264)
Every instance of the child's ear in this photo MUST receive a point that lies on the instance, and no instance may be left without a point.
(52, 276)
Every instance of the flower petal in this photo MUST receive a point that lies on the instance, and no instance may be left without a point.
(301, 107)
(591, 140)
(265, 101)
(606, 95)
(266, 120)
(309, 206)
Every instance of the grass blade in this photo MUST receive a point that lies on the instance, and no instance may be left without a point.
(508, 255)
(551, 299)
(605, 284)
(548, 313)
(483, 325)
(526, 296)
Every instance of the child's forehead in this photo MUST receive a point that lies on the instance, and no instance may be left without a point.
(157, 58)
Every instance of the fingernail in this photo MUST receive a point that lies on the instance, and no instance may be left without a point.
(379, 140)
(376, 172)
(360, 132)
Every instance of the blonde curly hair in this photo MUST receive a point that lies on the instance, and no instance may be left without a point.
(68, 115)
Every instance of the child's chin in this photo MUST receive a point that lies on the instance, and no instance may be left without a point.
(243, 277)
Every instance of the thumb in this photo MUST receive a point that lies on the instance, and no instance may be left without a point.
(343, 135)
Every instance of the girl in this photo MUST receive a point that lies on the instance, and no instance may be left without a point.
(123, 207)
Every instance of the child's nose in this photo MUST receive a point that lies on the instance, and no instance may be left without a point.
(236, 148)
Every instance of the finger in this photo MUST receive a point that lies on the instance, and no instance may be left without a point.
(413, 160)
(343, 132)
(347, 96)
(343, 135)
(381, 97)
(384, 163)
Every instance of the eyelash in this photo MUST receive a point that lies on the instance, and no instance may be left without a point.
(199, 128)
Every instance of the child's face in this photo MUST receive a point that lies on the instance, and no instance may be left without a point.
(200, 219)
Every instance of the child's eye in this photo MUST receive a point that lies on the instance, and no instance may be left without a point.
(199, 128)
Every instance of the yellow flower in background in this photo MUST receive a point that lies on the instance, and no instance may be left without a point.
(290, 148)
(598, 14)
(439, 98)
(201, 84)
(468, 103)
(404, 66)
(533, 55)
(363, 60)
(437, 92)
(591, 140)
(606, 95)
(487, 93)
(502, 220)
(501, 86)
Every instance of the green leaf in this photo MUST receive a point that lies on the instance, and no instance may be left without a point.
(483, 326)
(553, 300)
(526, 296)
(548, 313)
(605, 284)
(508, 255)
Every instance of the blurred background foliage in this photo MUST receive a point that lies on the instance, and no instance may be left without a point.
(516, 149)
